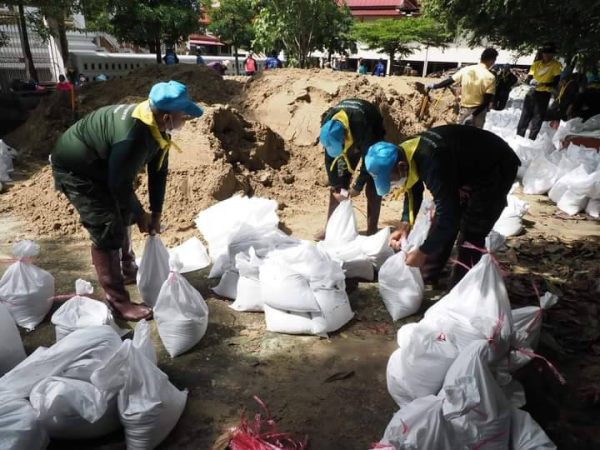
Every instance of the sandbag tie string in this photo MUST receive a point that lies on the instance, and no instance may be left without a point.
(551, 366)
(497, 330)
(485, 251)
(23, 259)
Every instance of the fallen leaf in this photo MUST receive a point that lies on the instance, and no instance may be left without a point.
(338, 376)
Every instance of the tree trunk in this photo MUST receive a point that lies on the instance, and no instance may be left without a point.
(237, 68)
(29, 65)
(392, 56)
(62, 37)
(157, 50)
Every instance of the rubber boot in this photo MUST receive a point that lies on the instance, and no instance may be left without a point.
(128, 265)
(373, 208)
(108, 269)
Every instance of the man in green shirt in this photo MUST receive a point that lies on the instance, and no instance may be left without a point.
(95, 164)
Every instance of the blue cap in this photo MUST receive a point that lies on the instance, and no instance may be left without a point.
(332, 137)
(173, 96)
(379, 161)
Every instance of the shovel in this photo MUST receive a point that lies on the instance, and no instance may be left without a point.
(420, 87)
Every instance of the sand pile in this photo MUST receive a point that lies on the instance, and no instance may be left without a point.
(263, 142)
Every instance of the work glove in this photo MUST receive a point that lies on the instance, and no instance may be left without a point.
(533, 82)
(429, 87)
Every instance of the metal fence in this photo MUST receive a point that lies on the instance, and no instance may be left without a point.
(12, 61)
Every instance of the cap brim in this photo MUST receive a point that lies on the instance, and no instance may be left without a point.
(333, 149)
(191, 109)
(382, 184)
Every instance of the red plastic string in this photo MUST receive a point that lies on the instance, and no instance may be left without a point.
(24, 259)
(460, 263)
(551, 366)
(485, 251)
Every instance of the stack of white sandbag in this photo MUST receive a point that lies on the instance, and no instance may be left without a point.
(576, 126)
(192, 255)
(470, 411)
(82, 312)
(503, 123)
(510, 222)
(7, 154)
(180, 312)
(25, 289)
(359, 255)
(303, 291)
(153, 270)
(401, 286)
(233, 226)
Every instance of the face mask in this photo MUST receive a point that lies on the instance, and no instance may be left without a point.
(171, 130)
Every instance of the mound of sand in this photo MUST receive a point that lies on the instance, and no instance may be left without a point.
(257, 137)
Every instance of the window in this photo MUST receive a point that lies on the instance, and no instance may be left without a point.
(119, 66)
(113, 66)
(106, 66)
(138, 65)
(93, 66)
(85, 66)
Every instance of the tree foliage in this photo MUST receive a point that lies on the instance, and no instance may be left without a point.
(401, 36)
(300, 26)
(232, 23)
(574, 26)
(149, 23)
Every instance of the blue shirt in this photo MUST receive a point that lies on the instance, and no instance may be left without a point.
(379, 70)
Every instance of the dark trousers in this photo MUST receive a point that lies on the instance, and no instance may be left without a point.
(97, 209)
(481, 207)
(534, 110)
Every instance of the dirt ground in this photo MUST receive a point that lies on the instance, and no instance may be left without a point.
(264, 143)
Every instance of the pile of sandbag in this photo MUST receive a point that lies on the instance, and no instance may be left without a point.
(401, 286)
(25, 289)
(298, 285)
(88, 385)
(504, 122)
(359, 255)
(451, 374)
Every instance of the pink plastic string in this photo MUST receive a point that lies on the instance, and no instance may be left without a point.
(460, 263)
(171, 278)
(24, 259)
(485, 251)
(551, 366)
(497, 330)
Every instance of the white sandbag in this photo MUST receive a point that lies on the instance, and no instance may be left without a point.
(401, 287)
(527, 322)
(341, 226)
(477, 307)
(405, 332)
(149, 405)
(593, 208)
(359, 268)
(82, 312)
(192, 255)
(142, 340)
(488, 420)
(284, 289)
(562, 185)
(6, 161)
(153, 270)
(377, 246)
(181, 314)
(510, 221)
(540, 176)
(25, 288)
(418, 367)
(20, 428)
(11, 346)
(75, 356)
(74, 409)
(572, 203)
(334, 306)
(419, 425)
(279, 321)
(526, 434)
(249, 294)
(227, 286)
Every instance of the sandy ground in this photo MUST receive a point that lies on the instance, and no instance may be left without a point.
(264, 143)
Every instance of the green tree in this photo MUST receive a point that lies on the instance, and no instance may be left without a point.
(232, 22)
(400, 37)
(340, 38)
(574, 26)
(149, 23)
(300, 26)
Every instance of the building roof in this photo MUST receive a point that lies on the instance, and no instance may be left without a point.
(204, 39)
(402, 5)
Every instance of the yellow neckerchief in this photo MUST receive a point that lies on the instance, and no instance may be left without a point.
(562, 90)
(143, 112)
(342, 117)
(409, 147)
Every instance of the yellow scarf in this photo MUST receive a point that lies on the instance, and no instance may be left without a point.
(409, 147)
(143, 113)
(342, 117)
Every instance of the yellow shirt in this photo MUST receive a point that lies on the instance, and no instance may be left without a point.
(476, 81)
(545, 73)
